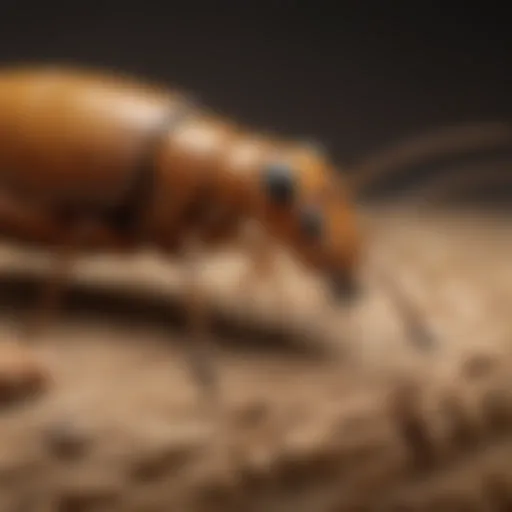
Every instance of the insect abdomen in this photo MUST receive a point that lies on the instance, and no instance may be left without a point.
(73, 138)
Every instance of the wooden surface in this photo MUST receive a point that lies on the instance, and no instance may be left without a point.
(370, 420)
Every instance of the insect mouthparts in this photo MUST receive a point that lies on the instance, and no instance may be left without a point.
(345, 288)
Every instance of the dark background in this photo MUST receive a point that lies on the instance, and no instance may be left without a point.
(353, 76)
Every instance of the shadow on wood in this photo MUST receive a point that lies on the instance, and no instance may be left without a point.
(19, 292)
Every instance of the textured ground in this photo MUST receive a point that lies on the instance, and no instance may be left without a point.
(370, 422)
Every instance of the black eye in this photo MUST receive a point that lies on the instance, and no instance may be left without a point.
(279, 182)
(311, 222)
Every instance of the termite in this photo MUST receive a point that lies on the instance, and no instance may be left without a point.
(92, 160)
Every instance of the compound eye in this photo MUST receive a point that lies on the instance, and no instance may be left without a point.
(312, 222)
(279, 182)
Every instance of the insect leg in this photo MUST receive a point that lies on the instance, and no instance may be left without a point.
(262, 257)
(199, 348)
(54, 288)
(21, 221)
(414, 321)
(52, 295)
(263, 267)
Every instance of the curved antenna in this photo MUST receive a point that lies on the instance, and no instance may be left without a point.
(454, 182)
(445, 142)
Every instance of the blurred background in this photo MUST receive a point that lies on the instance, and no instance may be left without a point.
(355, 76)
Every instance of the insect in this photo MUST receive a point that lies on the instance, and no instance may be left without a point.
(95, 161)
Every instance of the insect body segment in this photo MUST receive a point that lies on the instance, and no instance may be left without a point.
(232, 175)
